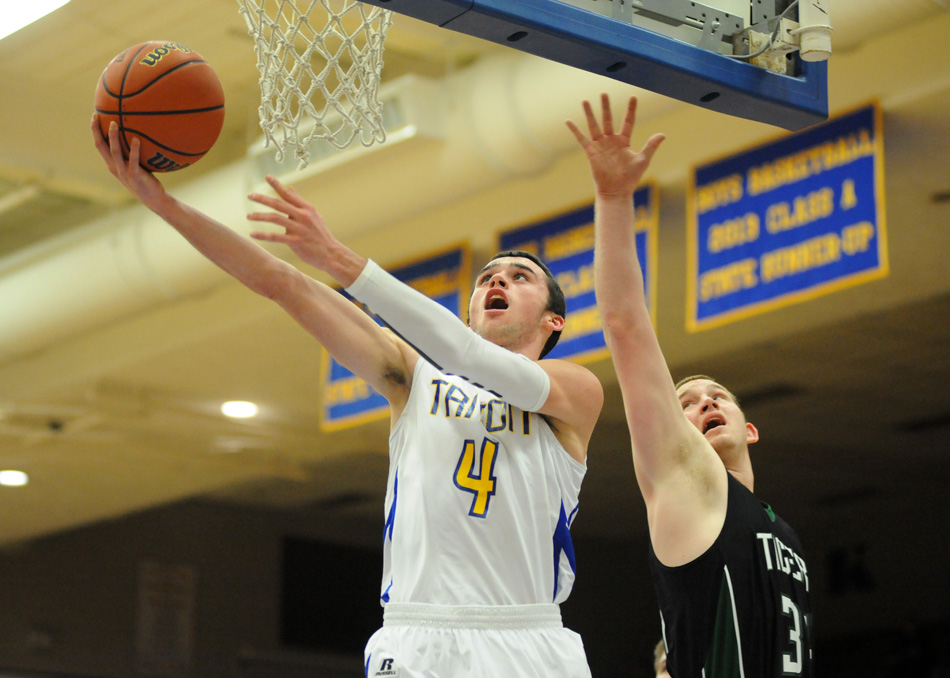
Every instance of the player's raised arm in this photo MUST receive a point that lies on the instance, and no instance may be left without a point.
(440, 336)
(669, 454)
(649, 398)
(347, 333)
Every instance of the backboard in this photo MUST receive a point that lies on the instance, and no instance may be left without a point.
(677, 48)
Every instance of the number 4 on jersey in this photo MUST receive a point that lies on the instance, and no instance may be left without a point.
(477, 477)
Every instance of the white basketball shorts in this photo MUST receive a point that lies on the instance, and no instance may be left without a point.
(513, 641)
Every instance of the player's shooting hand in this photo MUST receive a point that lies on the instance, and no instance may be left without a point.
(616, 168)
(304, 230)
(140, 182)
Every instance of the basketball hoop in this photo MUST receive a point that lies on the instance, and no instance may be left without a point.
(320, 63)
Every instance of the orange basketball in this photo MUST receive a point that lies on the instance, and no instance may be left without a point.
(166, 95)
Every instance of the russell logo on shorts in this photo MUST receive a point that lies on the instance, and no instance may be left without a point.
(386, 668)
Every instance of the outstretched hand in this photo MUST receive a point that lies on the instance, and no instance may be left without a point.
(140, 182)
(305, 232)
(616, 168)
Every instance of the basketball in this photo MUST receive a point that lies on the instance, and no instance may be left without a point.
(166, 95)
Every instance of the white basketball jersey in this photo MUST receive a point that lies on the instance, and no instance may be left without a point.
(479, 501)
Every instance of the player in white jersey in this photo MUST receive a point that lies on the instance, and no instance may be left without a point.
(487, 568)
(474, 455)
(485, 469)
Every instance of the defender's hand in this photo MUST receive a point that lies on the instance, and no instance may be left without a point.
(616, 168)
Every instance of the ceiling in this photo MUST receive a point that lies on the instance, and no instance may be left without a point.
(110, 404)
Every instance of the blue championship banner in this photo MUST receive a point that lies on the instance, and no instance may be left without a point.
(347, 399)
(788, 221)
(566, 244)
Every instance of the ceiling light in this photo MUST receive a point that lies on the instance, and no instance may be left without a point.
(13, 478)
(16, 15)
(239, 409)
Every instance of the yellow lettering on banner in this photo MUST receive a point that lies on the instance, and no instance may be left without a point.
(438, 284)
(642, 217)
(803, 210)
(581, 323)
(733, 232)
(346, 390)
(530, 246)
(722, 192)
(849, 197)
(729, 279)
(807, 163)
(580, 239)
(857, 237)
(805, 256)
(576, 283)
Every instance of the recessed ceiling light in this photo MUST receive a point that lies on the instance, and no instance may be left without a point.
(16, 15)
(13, 478)
(239, 409)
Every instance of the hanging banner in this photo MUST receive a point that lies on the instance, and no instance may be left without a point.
(347, 399)
(565, 243)
(788, 221)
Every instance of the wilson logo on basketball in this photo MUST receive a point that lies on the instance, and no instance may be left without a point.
(160, 163)
(156, 54)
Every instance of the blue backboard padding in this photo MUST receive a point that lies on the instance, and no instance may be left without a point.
(599, 44)
(438, 12)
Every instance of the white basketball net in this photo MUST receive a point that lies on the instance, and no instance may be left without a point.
(319, 61)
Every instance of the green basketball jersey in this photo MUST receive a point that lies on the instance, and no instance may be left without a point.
(742, 609)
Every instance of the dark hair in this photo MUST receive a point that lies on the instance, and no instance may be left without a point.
(696, 377)
(556, 301)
